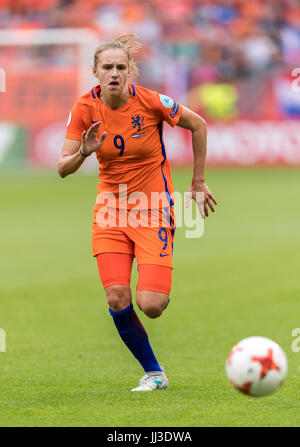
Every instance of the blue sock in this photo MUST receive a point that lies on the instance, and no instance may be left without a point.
(135, 337)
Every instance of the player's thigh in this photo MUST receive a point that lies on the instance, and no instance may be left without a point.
(108, 244)
(115, 273)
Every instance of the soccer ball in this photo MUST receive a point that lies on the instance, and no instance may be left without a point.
(256, 366)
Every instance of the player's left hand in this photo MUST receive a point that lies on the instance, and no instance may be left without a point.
(202, 195)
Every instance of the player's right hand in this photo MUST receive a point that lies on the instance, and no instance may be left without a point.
(89, 139)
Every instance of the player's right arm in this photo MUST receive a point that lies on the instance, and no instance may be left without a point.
(74, 152)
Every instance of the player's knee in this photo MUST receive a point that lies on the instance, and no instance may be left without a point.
(152, 311)
(118, 297)
(154, 308)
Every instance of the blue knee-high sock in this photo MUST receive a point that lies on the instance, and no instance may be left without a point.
(135, 337)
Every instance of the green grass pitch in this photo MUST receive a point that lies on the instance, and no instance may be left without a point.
(65, 364)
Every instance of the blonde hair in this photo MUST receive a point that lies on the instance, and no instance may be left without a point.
(125, 42)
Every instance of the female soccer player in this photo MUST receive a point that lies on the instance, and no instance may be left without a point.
(123, 124)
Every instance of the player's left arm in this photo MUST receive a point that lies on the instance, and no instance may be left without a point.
(197, 125)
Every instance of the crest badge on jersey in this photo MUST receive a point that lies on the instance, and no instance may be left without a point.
(137, 122)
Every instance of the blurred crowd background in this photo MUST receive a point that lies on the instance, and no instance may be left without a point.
(229, 60)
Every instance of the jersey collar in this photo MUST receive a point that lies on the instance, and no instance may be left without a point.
(96, 90)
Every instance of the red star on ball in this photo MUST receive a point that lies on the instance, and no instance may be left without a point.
(267, 363)
(243, 388)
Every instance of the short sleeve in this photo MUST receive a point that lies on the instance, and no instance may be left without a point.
(167, 109)
(76, 123)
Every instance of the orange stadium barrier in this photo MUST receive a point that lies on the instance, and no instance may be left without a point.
(239, 143)
(38, 96)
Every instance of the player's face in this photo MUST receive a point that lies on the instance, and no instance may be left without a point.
(112, 71)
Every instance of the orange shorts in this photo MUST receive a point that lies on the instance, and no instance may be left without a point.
(147, 235)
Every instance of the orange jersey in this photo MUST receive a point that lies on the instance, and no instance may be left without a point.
(133, 152)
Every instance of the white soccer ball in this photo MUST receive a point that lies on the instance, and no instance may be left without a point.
(256, 366)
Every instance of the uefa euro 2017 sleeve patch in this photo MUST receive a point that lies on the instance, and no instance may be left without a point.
(169, 104)
(166, 101)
